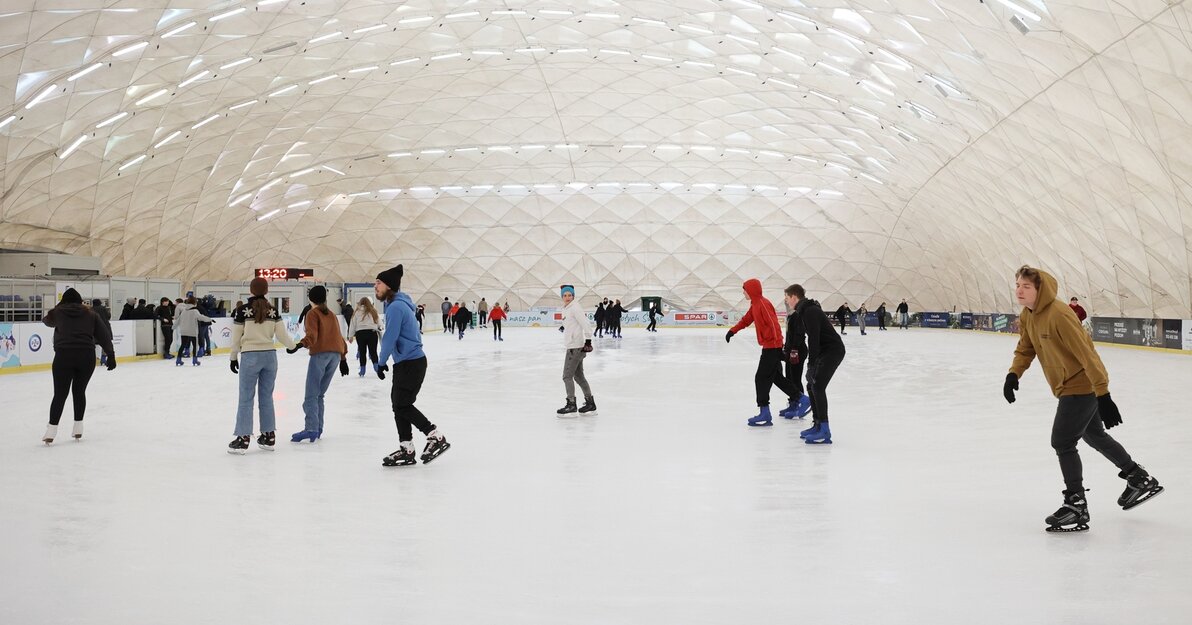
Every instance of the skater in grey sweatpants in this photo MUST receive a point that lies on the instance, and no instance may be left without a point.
(577, 338)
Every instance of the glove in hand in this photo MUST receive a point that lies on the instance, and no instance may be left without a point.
(1110, 415)
(111, 362)
(587, 345)
(381, 369)
(1010, 386)
(295, 349)
(729, 336)
(235, 366)
(343, 367)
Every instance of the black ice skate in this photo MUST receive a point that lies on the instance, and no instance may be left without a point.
(404, 456)
(589, 407)
(239, 445)
(568, 410)
(267, 440)
(436, 444)
(1140, 487)
(1073, 516)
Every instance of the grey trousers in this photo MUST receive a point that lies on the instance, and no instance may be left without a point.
(573, 371)
(1077, 419)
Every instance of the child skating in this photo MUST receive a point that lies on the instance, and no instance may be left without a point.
(1049, 331)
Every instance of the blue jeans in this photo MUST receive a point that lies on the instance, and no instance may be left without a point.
(319, 372)
(258, 372)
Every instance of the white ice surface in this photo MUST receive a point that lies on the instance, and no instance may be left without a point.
(664, 509)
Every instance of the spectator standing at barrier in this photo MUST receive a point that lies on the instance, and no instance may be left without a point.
(187, 321)
(446, 308)
(77, 331)
(496, 317)
(599, 317)
(764, 318)
(1080, 382)
(106, 316)
(881, 317)
(903, 314)
(165, 318)
(842, 314)
(365, 330)
(1074, 304)
(130, 310)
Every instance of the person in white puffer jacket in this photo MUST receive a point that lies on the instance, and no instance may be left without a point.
(577, 339)
(366, 327)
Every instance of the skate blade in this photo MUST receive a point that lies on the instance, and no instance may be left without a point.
(47, 441)
(266, 447)
(591, 413)
(761, 425)
(426, 459)
(570, 415)
(820, 441)
(237, 452)
(387, 463)
(1145, 498)
(1057, 529)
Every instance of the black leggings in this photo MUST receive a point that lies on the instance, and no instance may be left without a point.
(366, 341)
(72, 370)
(819, 373)
(1076, 419)
(193, 342)
(769, 373)
(407, 381)
(496, 328)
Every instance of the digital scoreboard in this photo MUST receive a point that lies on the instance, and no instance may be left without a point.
(284, 273)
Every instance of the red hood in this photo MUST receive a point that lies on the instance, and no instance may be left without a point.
(753, 287)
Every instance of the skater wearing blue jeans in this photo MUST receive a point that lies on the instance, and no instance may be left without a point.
(255, 327)
(328, 350)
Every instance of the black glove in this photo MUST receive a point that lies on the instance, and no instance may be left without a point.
(1108, 410)
(295, 349)
(560, 328)
(112, 365)
(728, 337)
(1010, 386)
(587, 345)
(235, 366)
(343, 367)
(381, 369)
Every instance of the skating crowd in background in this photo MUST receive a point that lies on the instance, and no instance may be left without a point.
(1049, 331)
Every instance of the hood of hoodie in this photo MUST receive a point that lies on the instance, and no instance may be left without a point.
(404, 299)
(753, 287)
(804, 304)
(1048, 287)
(72, 310)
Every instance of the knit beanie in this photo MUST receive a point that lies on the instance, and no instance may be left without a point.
(71, 296)
(391, 277)
(258, 287)
(318, 295)
(567, 288)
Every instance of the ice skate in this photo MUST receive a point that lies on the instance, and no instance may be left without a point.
(568, 410)
(1140, 487)
(298, 437)
(809, 431)
(821, 436)
(762, 418)
(238, 446)
(77, 431)
(50, 435)
(589, 407)
(1073, 516)
(436, 444)
(266, 441)
(404, 456)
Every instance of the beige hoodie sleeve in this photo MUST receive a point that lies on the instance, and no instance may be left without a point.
(1073, 335)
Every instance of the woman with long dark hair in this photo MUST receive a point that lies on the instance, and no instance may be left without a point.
(77, 330)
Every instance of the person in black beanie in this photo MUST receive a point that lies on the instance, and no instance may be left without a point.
(77, 330)
(403, 342)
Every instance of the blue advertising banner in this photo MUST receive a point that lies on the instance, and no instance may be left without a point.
(935, 319)
(966, 321)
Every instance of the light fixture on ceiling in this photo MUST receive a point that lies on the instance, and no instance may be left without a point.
(193, 78)
(1019, 24)
(168, 139)
(237, 107)
(204, 122)
(236, 63)
(7, 120)
(283, 90)
(646, 20)
(79, 75)
(269, 214)
(695, 29)
(179, 29)
(452, 16)
(323, 79)
(653, 57)
(554, 12)
(369, 29)
(367, 68)
(111, 120)
(130, 49)
(73, 146)
(227, 14)
(45, 93)
(447, 55)
(416, 20)
(326, 37)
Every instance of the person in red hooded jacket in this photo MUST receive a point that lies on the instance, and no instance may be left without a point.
(769, 335)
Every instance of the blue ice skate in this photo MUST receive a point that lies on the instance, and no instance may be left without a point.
(298, 437)
(797, 408)
(821, 436)
(811, 430)
(763, 418)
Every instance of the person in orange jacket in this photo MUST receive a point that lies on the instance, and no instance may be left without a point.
(496, 316)
(764, 318)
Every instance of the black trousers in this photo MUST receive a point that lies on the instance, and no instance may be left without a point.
(204, 339)
(72, 371)
(167, 337)
(366, 345)
(483, 317)
(408, 376)
(599, 327)
(769, 373)
(841, 322)
(496, 328)
(445, 326)
(819, 373)
(193, 342)
(653, 325)
(1077, 418)
(881, 322)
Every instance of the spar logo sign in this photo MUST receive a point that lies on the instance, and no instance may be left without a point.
(35, 342)
(693, 316)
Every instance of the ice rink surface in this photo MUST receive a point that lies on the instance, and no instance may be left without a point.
(664, 509)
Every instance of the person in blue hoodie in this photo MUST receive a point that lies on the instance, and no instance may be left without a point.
(402, 341)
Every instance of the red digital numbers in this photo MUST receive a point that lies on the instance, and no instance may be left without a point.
(283, 273)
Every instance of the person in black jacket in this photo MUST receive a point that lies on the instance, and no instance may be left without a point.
(346, 309)
(77, 331)
(794, 354)
(599, 319)
(825, 352)
(463, 317)
(881, 317)
(613, 318)
(165, 316)
(129, 311)
(655, 312)
(842, 314)
(903, 315)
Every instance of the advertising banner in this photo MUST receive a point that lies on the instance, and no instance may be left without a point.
(1187, 334)
(966, 321)
(10, 353)
(1172, 329)
(935, 319)
(123, 338)
(36, 343)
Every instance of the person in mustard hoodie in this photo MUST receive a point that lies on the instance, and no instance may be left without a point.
(327, 349)
(1049, 331)
(769, 335)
